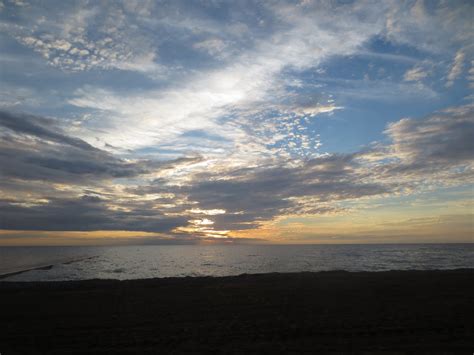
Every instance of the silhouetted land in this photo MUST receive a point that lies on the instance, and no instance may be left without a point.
(402, 311)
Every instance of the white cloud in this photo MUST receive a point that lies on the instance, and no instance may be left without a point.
(313, 110)
(248, 85)
(415, 74)
(20, 3)
(382, 90)
(470, 77)
(456, 68)
(243, 121)
(213, 46)
(444, 27)
(227, 104)
(87, 37)
(18, 96)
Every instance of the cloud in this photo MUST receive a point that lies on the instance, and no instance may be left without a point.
(82, 214)
(17, 96)
(256, 51)
(34, 148)
(85, 37)
(470, 77)
(251, 78)
(209, 202)
(313, 110)
(381, 90)
(277, 191)
(445, 137)
(213, 46)
(29, 155)
(198, 120)
(434, 150)
(438, 28)
(456, 68)
(415, 74)
(39, 127)
(51, 181)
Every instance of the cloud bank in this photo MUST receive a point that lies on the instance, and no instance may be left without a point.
(210, 119)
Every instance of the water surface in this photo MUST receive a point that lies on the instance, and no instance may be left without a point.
(134, 262)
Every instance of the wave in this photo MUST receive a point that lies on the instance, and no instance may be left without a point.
(46, 267)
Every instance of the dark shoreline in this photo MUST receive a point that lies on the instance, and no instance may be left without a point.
(401, 311)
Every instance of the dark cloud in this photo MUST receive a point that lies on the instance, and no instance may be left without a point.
(33, 148)
(87, 213)
(444, 138)
(436, 149)
(35, 154)
(262, 194)
(40, 127)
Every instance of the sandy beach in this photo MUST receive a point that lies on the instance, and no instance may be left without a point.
(396, 312)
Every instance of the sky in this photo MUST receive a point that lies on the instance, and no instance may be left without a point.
(157, 122)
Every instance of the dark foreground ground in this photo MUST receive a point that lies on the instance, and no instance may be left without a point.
(390, 312)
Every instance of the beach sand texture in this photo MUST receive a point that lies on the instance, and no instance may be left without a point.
(397, 311)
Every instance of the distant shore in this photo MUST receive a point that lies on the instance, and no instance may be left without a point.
(402, 311)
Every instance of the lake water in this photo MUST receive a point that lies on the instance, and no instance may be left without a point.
(134, 262)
